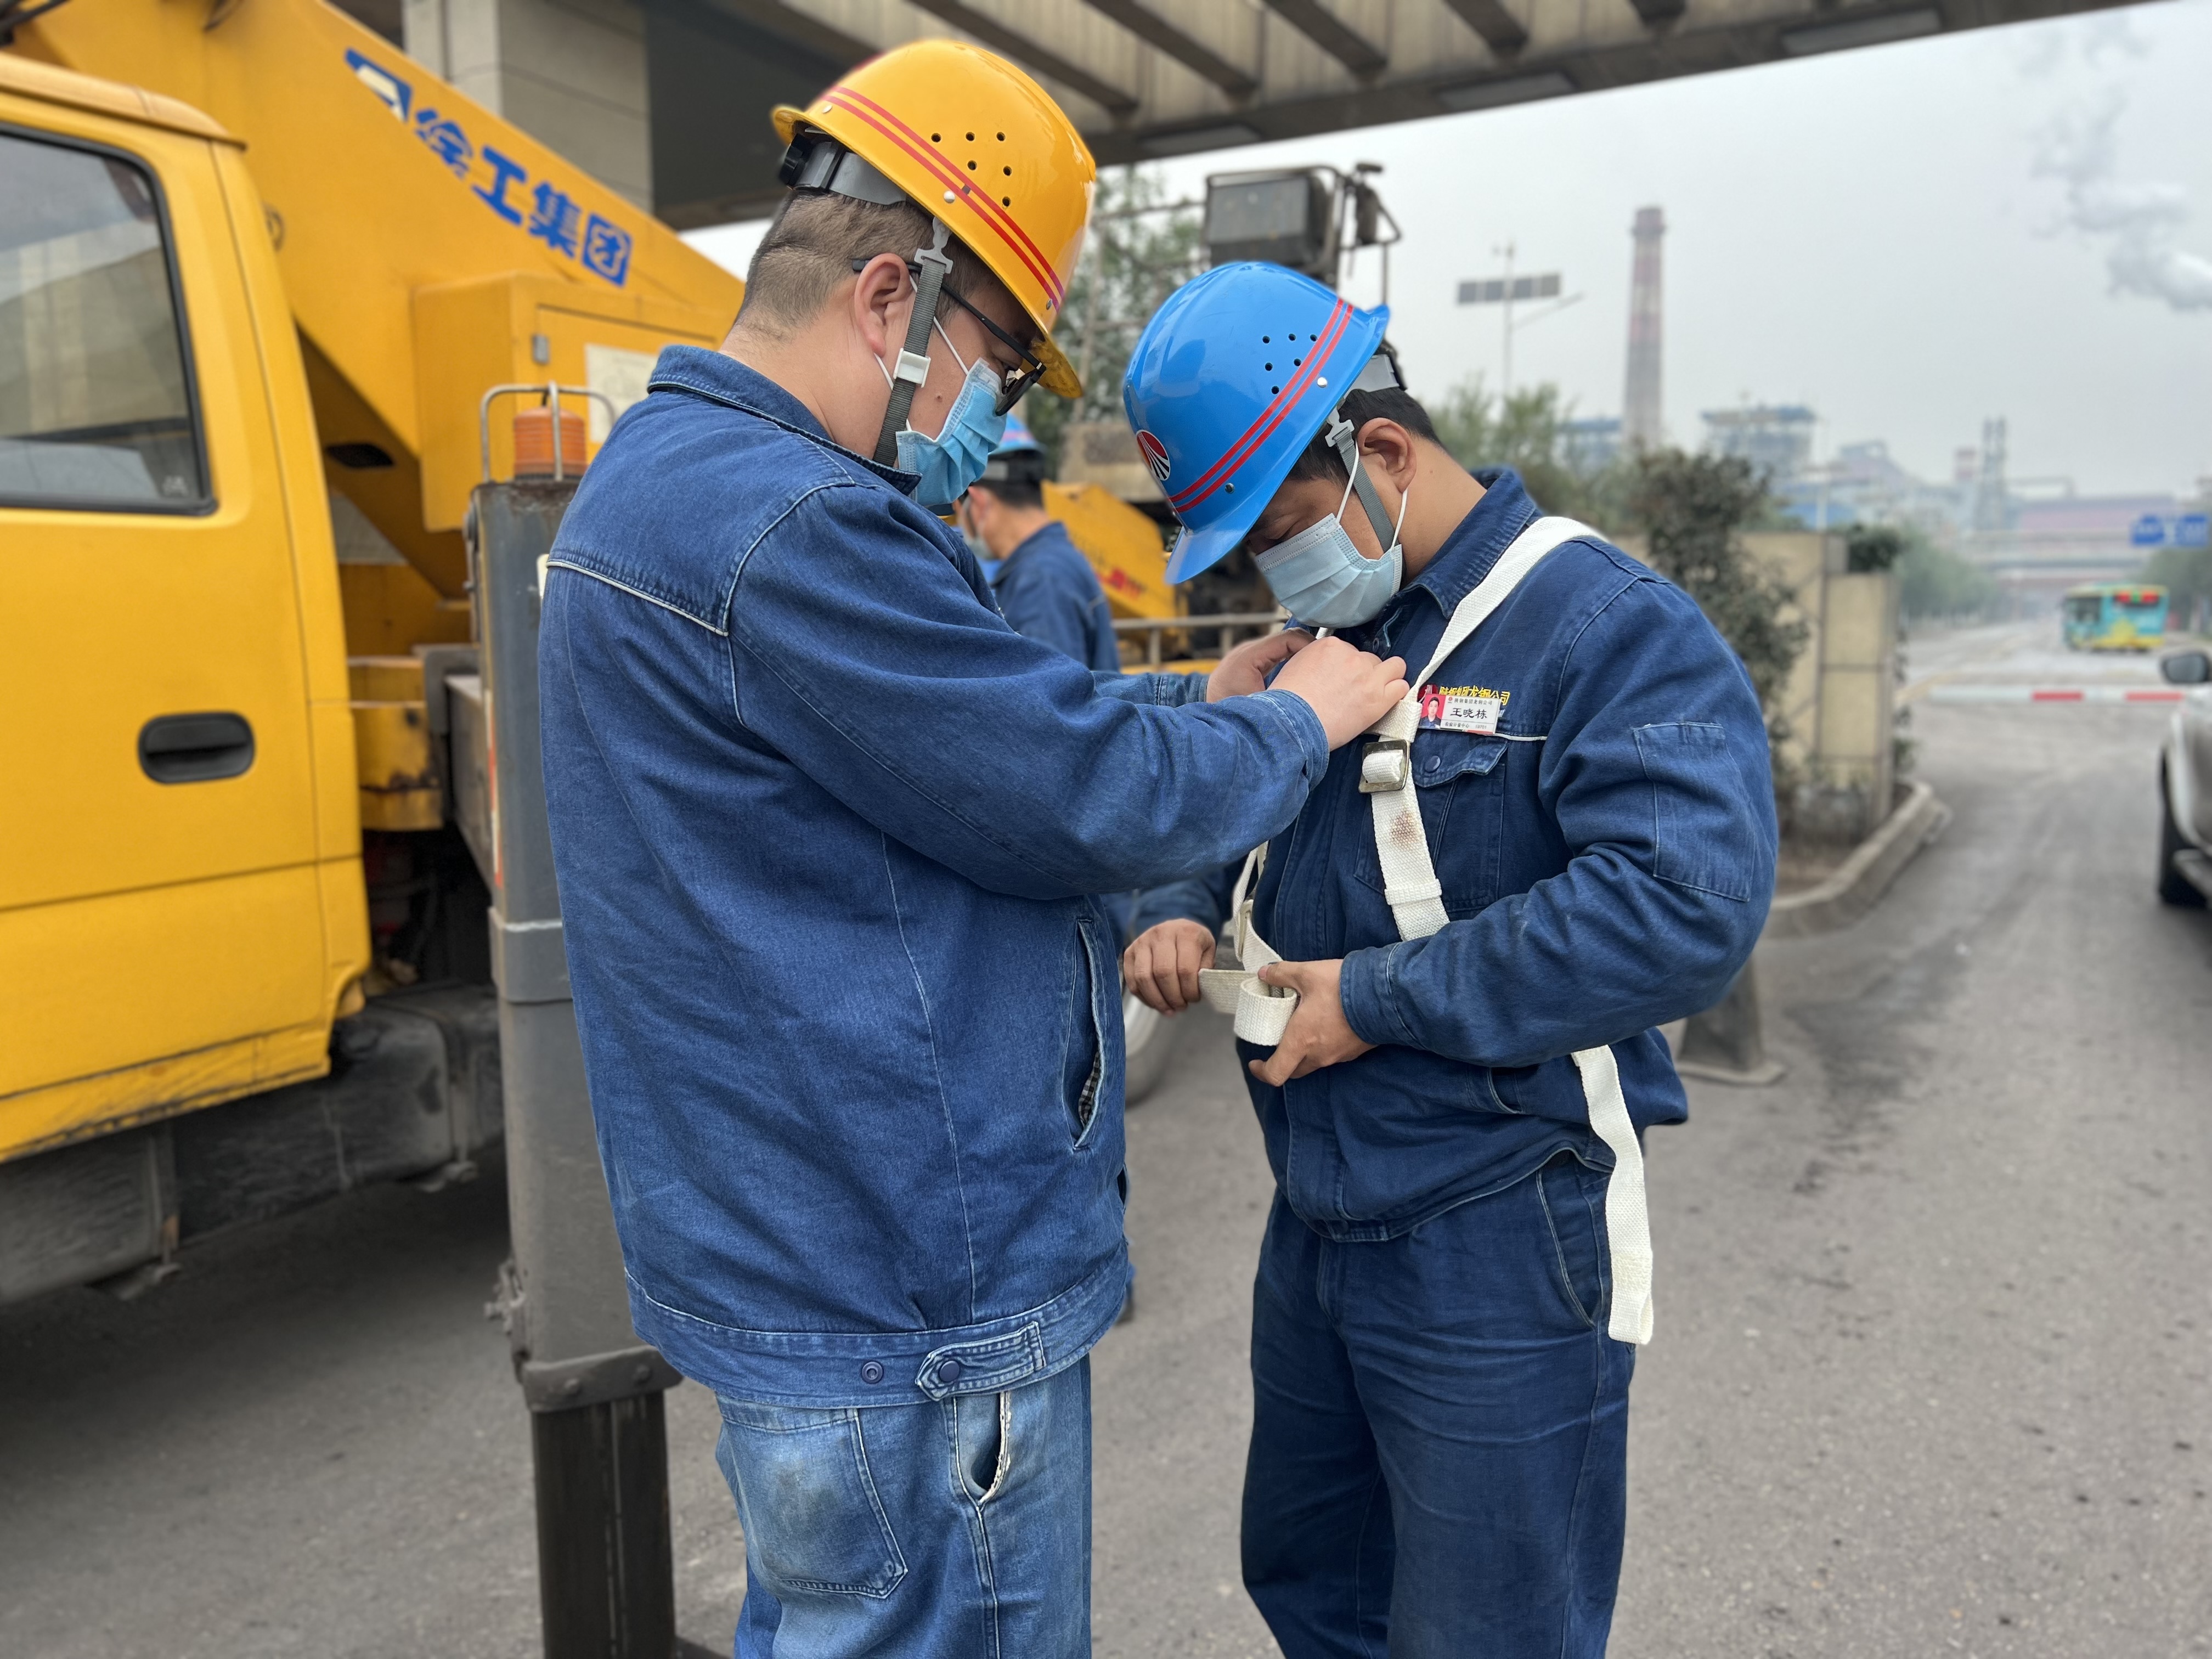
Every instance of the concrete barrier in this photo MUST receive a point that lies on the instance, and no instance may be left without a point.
(1865, 876)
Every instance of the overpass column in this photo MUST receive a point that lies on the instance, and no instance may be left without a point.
(570, 73)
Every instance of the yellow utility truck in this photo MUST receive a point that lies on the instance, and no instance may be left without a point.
(258, 272)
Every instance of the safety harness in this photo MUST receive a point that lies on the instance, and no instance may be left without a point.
(1416, 901)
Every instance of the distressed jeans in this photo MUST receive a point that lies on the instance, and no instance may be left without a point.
(953, 1529)
(1439, 1440)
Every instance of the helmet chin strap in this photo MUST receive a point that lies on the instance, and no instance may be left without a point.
(1345, 441)
(914, 361)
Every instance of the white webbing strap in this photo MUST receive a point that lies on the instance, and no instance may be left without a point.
(1401, 846)
(1262, 1011)
(1627, 1218)
(1416, 901)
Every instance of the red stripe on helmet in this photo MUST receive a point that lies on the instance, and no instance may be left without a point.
(1269, 418)
(1001, 224)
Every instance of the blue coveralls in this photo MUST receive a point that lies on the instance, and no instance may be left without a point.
(1439, 1449)
(824, 825)
(1048, 591)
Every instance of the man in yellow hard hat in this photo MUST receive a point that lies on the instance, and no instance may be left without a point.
(825, 826)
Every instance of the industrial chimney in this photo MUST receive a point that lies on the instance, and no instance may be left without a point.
(1640, 403)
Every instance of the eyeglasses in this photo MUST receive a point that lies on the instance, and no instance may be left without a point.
(1017, 381)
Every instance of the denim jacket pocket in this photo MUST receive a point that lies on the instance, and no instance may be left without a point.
(812, 1519)
(1460, 784)
(1702, 827)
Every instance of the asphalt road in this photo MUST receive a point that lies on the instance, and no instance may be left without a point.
(1932, 1371)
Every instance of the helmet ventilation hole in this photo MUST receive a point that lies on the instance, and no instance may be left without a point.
(971, 138)
(936, 138)
(1005, 201)
(971, 167)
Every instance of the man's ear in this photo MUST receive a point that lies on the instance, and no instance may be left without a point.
(1388, 448)
(882, 301)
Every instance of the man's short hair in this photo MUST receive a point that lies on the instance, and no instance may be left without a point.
(1013, 492)
(810, 248)
(1319, 459)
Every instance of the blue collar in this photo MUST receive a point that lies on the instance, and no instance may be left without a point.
(1480, 540)
(722, 378)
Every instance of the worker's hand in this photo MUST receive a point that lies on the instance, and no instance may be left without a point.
(1162, 964)
(1347, 688)
(1318, 1034)
(1245, 670)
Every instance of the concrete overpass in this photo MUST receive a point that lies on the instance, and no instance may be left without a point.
(667, 99)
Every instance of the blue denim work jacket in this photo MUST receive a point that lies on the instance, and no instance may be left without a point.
(824, 825)
(1607, 858)
(1047, 589)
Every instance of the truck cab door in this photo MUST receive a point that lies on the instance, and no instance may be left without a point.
(162, 922)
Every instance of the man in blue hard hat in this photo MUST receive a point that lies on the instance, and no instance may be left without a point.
(1562, 839)
(1045, 588)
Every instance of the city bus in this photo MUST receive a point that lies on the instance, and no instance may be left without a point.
(2115, 616)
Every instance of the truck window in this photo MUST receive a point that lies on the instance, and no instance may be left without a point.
(95, 402)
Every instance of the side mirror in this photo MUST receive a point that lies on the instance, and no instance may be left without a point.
(2187, 668)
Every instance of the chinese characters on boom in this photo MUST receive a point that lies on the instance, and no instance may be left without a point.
(545, 209)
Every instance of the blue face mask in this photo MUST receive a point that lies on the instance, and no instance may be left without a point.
(973, 427)
(1319, 576)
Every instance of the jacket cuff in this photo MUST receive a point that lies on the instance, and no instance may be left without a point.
(1368, 988)
(1298, 719)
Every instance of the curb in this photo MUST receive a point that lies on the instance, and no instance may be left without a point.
(1855, 888)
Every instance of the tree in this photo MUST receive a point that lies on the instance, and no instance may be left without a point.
(2186, 574)
(1526, 431)
(1932, 581)
(1140, 249)
(1692, 510)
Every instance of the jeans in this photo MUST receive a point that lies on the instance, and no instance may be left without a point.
(1439, 1444)
(951, 1530)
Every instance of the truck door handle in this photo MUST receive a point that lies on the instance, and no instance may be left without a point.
(195, 748)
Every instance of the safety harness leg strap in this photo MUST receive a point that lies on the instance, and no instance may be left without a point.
(914, 361)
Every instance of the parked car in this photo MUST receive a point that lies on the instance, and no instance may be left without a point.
(2184, 785)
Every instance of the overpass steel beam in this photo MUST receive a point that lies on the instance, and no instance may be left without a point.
(1157, 32)
(1501, 31)
(1328, 31)
(1153, 78)
(1027, 53)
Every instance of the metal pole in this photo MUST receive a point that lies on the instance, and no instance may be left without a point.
(606, 1575)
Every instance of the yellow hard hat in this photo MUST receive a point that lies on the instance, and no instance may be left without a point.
(969, 138)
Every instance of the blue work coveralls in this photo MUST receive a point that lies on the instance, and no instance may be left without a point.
(824, 825)
(1047, 590)
(1438, 1451)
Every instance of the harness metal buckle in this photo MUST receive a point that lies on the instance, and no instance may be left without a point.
(1386, 765)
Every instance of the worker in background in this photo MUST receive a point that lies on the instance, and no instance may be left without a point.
(1562, 839)
(1046, 588)
(823, 824)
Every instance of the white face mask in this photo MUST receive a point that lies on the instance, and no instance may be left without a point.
(1320, 576)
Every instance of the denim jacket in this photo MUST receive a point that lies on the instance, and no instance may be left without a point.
(1047, 589)
(823, 824)
(1607, 858)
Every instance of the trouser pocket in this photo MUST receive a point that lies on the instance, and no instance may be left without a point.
(812, 1517)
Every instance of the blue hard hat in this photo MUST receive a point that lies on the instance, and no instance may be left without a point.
(1232, 379)
(1019, 439)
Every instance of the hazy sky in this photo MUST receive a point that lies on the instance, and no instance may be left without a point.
(2012, 222)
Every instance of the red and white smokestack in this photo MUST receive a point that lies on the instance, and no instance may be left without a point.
(1640, 405)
